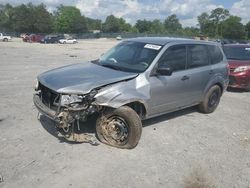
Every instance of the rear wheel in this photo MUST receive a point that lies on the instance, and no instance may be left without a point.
(119, 127)
(5, 40)
(211, 100)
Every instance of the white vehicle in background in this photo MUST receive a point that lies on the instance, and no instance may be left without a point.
(4, 38)
(68, 41)
(119, 37)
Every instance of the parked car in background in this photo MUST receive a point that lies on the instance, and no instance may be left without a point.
(4, 38)
(137, 79)
(119, 37)
(238, 56)
(51, 39)
(32, 38)
(68, 41)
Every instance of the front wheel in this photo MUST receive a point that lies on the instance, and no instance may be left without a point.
(211, 100)
(5, 40)
(119, 127)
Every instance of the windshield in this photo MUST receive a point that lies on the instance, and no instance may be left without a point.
(237, 53)
(130, 56)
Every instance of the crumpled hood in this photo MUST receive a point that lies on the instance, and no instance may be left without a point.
(81, 78)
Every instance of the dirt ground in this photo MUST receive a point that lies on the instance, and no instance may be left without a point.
(182, 149)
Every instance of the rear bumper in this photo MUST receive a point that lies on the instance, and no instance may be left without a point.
(239, 80)
(43, 109)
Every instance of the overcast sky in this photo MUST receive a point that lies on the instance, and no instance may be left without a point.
(131, 10)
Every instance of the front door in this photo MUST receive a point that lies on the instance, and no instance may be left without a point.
(169, 92)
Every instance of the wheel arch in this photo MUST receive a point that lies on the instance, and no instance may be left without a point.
(139, 108)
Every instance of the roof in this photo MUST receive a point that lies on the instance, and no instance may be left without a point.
(238, 45)
(164, 40)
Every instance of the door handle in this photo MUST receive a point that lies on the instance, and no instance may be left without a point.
(185, 78)
(211, 72)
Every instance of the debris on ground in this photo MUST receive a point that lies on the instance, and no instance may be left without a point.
(1, 178)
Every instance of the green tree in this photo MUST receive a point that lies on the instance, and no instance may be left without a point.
(217, 16)
(42, 19)
(22, 19)
(143, 26)
(206, 25)
(6, 17)
(111, 24)
(172, 24)
(94, 24)
(190, 31)
(233, 28)
(248, 30)
(69, 20)
(157, 27)
(124, 26)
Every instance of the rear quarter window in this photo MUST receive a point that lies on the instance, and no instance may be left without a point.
(215, 53)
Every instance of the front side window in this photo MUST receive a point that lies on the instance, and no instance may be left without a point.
(198, 56)
(130, 56)
(175, 57)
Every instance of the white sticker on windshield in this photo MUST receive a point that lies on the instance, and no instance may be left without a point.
(247, 48)
(152, 46)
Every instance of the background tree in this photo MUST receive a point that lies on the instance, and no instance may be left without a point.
(233, 28)
(206, 25)
(248, 29)
(157, 27)
(94, 24)
(218, 16)
(172, 24)
(112, 24)
(6, 17)
(42, 19)
(69, 20)
(143, 26)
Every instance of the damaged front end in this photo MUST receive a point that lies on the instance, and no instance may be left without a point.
(67, 110)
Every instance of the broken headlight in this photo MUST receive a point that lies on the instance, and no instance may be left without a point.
(71, 99)
(76, 99)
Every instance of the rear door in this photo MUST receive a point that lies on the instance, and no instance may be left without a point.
(199, 71)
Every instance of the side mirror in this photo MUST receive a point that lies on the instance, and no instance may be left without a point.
(165, 71)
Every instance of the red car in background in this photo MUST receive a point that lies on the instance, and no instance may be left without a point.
(32, 38)
(238, 56)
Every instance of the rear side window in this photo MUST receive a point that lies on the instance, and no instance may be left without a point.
(174, 57)
(198, 56)
(215, 53)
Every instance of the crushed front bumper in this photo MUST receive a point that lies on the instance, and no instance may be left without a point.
(43, 109)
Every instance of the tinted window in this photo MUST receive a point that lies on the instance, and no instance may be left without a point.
(198, 56)
(215, 53)
(237, 52)
(174, 57)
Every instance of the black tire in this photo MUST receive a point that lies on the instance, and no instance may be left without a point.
(129, 129)
(211, 100)
(248, 89)
(5, 40)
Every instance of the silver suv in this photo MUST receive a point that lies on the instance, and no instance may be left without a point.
(138, 79)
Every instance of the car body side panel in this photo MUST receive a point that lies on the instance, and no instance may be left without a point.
(122, 93)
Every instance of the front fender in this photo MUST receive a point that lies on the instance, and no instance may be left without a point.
(122, 93)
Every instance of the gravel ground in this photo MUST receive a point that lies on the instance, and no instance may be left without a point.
(181, 149)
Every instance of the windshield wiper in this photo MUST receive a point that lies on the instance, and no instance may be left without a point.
(112, 66)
